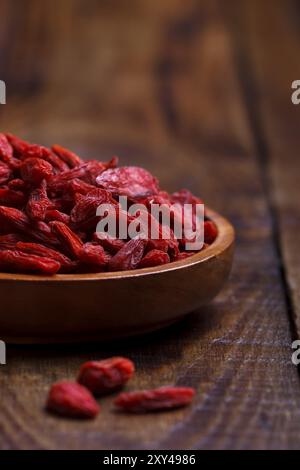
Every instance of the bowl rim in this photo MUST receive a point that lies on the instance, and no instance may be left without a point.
(224, 240)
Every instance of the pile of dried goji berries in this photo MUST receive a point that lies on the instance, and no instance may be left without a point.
(48, 203)
(98, 378)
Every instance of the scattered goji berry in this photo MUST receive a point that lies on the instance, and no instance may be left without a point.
(70, 399)
(103, 377)
(163, 398)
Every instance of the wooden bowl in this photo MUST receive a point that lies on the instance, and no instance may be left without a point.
(81, 307)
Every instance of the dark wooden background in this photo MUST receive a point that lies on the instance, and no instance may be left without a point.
(199, 92)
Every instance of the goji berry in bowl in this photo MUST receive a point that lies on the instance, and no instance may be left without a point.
(62, 282)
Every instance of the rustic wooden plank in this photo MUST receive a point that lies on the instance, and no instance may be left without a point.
(156, 83)
(268, 43)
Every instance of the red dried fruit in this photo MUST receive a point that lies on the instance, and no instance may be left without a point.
(40, 250)
(35, 170)
(15, 218)
(154, 258)
(83, 214)
(43, 153)
(57, 187)
(130, 181)
(5, 173)
(17, 184)
(93, 255)
(72, 400)
(9, 241)
(38, 203)
(68, 238)
(9, 197)
(6, 150)
(113, 245)
(103, 377)
(70, 158)
(22, 262)
(210, 232)
(163, 398)
(184, 254)
(79, 186)
(41, 231)
(129, 256)
(184, 196)
(54, 214)
(19, 146)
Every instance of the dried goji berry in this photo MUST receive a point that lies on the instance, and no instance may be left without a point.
(41, 231)
(72, 400)
(79, 186)
(163, 398)
(54, 214)
(6, 150)
(210, 232)
(38, 203)
(55, 187)
(68, 238)
(94, 255)
(131, 181)
(17, 144)
(9, 241)
(70, 158)
(154, 258)
(15, 218)
(35, 170)
(113, 245)
(17, 184)
(129, 256)
(41, 250)
(83, 214)
(5, 173)
(184, 196)
(22, 262)
(102, 377)
(12, 198)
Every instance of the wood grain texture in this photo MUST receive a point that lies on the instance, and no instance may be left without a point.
(272, 62)
(159, 84)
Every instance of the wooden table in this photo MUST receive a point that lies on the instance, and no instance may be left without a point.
(199, 92)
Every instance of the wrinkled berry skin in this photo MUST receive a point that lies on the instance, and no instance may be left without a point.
(103, 377)
(70, 399)
(163, 398)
